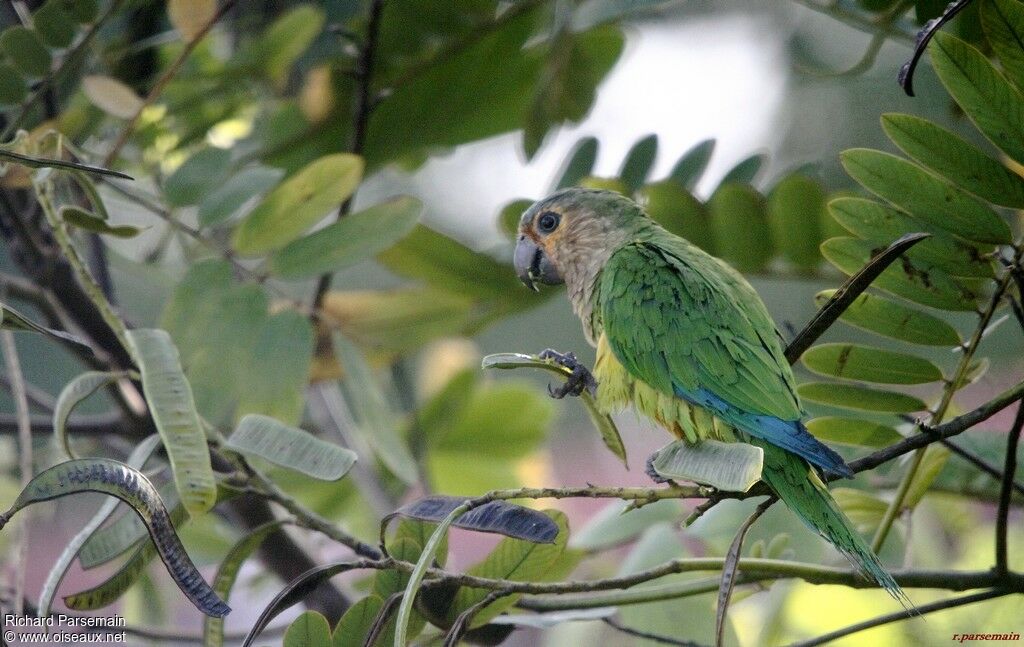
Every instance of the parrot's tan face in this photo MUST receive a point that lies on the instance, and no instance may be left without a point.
(538, 246)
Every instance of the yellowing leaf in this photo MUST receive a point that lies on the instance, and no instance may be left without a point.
(111, 96)
(190, 16)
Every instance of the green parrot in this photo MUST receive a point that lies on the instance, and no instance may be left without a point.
(682, 337)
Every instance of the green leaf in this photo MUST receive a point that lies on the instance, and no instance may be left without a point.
(618, 523)
(638, 162)
(733, 467)
(11, 319)
(850, 396)
(136, 460)
(54, 25)
(499, 517)
(1003, 22)
(856, 362)
(852, 431)
(602, 421)
(677, 210)
(746, 171)
(864, 509)
(952, 157)
(198, 176)
(740, 225)
(278, 368)
(374, 419)
(89, 222)
(298, 203)
(227, 573)
(880, 224)
(355, 625)
(924, 196)
(126, 532)
(290, 447)
(170, 401)
(516, 560)
(895, 320)
(308, 630)
(225, 200)
(579, 163)
(988, 99)
(12, 86)
(132, 487)
(74, 392)
(794, 211)
(25, 51)
(922, 284)
(691, 166)
(353, 239)
(511, 214)
(287, 38)
(935, 458)
(84, 11)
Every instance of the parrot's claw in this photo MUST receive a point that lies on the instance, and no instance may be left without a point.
(579, 381)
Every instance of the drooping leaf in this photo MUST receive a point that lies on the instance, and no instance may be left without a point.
(213, 628)
(794, 208)
(11, 319)
(132, 487)
(922, 284)
(111, 96)
(89, 222)
(290, 447)
(733, 467)
(851, 396)
(690, 167)
(740, 225)
(308, 630)
(856, 362)
(170, 401)
(225, 200)
(198, 176)
(498, 517)
(127, 532)
(895, 320)
(579, 163)
(353, 239)
(638, 162)
(136, 460)
(74, 392)
(955, 159)
(879, 223)
(852, 431)
(25, 51)
(925, 196)
(1003, 21)
(298, 203)
(988, 99)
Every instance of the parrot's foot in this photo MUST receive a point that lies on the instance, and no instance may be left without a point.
(580, 380)
(653, 474)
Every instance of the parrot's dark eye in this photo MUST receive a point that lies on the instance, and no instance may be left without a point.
(547, 222)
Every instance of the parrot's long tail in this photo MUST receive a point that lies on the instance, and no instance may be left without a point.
(802, 490)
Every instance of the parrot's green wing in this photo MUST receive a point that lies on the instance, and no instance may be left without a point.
(686, 324)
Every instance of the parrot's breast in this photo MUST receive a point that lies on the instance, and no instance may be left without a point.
(617, 390)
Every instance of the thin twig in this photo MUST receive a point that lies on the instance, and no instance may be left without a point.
(13, 365)
(853, 19)
(980, 463)
(1009, 470)
(465, 619)
(162, 82)
(902, 615)
(730, 570)
(646, 635)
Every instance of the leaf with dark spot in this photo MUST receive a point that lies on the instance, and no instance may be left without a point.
(498, 517)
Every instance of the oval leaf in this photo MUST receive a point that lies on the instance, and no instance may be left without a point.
(353, 239)
(855, 362)
(733, 467)
(228, 198)
(84, 220)
(895, 320)
(24, 49)
(924, 196)
(308, 630)
(498, 517)
(863, 398)
(111, 96)
(74, 392)
(852, 431)
(190, 16)
(690, 167)
(197, 176)
(638, 162)
(132, 487)
(290, 447)
(739, 221)
(579, 163)
(298, 203)
(53, 24)
(170, 400)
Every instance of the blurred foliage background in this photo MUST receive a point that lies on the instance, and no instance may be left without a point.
(321, 217)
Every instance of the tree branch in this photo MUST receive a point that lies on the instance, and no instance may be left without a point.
(1009, 470)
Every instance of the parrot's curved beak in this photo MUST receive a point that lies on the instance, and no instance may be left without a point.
(533, 266)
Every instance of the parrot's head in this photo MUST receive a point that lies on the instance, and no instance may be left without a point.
(571, 234)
